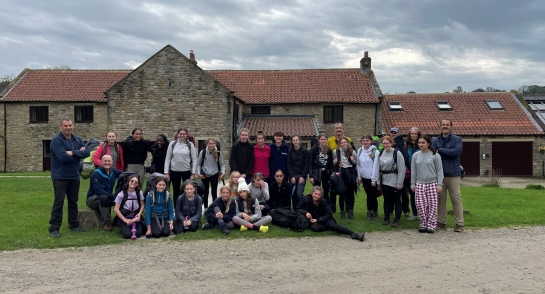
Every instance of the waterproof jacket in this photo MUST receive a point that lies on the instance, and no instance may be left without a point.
(298, 162)
(450, 149)
(64, 166)
(135, 152)
(321, 212)
(102, 183)
(241, 158)
(279, 158)
(227, 216)
(190, 208)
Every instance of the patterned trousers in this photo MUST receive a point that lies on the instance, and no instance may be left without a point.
(426, 204)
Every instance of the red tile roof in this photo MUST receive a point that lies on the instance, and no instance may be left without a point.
(298, 86)
(470, 114)
(64, 85)
(302, 126)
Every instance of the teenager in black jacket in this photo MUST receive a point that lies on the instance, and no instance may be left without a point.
(315, 208)
(241, 158)
(298, 165)
(279, 191)
(321, 165)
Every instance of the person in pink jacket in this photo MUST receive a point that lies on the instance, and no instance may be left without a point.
(112, 148)
(262, 154)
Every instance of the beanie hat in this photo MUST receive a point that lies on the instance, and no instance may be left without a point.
(242, 186)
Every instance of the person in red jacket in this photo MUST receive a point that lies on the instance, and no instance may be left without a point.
(262, 154)
(112, 148)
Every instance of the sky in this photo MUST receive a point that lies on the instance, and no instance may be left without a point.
(427, 46)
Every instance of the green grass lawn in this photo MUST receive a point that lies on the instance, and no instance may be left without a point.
(25, 208)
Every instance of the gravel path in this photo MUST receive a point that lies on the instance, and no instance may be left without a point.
(507, 260)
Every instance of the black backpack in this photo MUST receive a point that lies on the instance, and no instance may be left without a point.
(199, 184)
(288, 218)
(121, 180)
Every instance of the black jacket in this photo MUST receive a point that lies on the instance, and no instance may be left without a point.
(241, 158)
(399, 145)
(135, 152)
(298, 162)
(321, 212)
(280, 196)
(315, 159)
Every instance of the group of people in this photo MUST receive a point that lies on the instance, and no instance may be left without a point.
(263, 177)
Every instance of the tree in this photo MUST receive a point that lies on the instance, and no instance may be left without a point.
(478, 90)
(4, 81)
(458, 89)
(411, 92)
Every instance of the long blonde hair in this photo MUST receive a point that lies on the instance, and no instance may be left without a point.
(230, 198)
(215, 153)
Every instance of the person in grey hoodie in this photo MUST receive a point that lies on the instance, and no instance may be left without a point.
(180, 163)
(426, 182)
(210, 168)
(391, 175)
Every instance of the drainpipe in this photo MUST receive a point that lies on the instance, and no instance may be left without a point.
(5, 140)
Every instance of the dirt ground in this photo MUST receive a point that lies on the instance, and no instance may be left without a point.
(505, 182)
(507, 260)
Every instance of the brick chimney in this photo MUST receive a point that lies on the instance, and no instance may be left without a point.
(365, 63)
(192, 57)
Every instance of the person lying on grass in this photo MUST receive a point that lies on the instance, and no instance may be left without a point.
(159, 210)
(315, 208)
(220, 213)
(129, 205)
(248, 210)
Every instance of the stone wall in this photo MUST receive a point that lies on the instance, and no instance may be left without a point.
(25, 140)
(539, 158)
(2, 138)
(169, 92)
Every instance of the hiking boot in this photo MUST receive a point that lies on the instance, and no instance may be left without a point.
(459, 229)
(369, 215)
(358, 236)
(350, 214)
(343, 214)
(374, 216)
(263, 229)
(224, 230)
(54, 234)
(206, 227)
(430, 231)
(441, 225)
(396, 223)
(78, 229)
(386, 221)
(243, 229)
(107, 227)
(422, 230)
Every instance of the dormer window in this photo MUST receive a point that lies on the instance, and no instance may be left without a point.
(494, 104)
(443, 105)
(395, 106)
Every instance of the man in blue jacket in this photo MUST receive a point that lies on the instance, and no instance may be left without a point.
(100, 196)
(449, 146)
(67, 150)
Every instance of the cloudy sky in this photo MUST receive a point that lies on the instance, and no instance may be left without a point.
(426, 46)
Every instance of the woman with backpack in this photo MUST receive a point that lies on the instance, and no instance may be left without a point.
(129, 205)
(367, 157)
(321, 165)
(344, 158)
(426, 181)
(135, 153)
(180, 162)
(159, 154)
(412, 147)
(112, 148)
(320, 215)
(159, 210)
(188, 209)
(221, 212)
(248, 211)
(391, 174)
(298, 166)
(211, 169)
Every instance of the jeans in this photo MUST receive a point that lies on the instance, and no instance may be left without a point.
(70, 189)
(297, 192)
(332, 225)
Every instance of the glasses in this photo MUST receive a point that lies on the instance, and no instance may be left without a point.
(182, 134)
(133, 181)
(279, 176)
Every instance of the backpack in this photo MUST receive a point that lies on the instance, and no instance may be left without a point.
(121, 181)
(394, 167)
(290, 219)
(199, 184)
(87, 167)
(187, 142)
(218, 147)
(372, 153)
(150, 183)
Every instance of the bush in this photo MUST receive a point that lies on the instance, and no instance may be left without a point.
(534, 187)
(493, 181)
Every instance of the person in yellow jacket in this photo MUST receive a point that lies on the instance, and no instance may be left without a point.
(333, 142)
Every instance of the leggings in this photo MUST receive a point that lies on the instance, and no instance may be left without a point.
(261, 222)
(371, 192)
(331, 225)
(177, 178)
(179, 227)
(156, 231)
(126, 230)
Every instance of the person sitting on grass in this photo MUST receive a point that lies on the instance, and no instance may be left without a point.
(232, 183)
(248, 210)
(260, 191)
(159, 210)
(188, 209)
(316, 209)
(129, 205)
(220, 213)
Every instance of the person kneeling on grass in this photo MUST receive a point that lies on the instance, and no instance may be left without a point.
(159, 210)
(188, 209)
(248, 211)
(316, 209)
(129, 205)
(221, 212)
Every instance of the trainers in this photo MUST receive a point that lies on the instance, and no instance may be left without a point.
(263, 229)
(459, 229)
(343, 214)
(386, 222)
(243, 229)
(358, 236)
(422, 230)
(441, 225)
(54, 234)
(396, 223)
(206, 227)
(78, 229)
(107, 227)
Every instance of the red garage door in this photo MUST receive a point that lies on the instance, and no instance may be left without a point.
(512, 158)
(471, 159)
